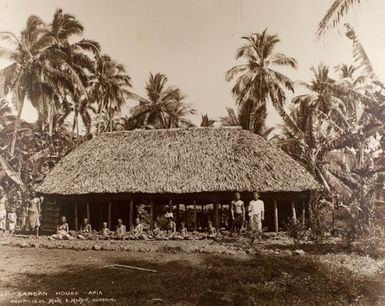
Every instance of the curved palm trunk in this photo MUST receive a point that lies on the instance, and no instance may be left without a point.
(75, 124)
(50, 116)
(17, 121)
(99, 114)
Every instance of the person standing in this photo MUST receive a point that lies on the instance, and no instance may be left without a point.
(237, 213)
(12, 220)
(256, 215)
(3, 212)
(34, 214)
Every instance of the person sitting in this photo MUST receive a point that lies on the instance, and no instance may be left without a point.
(212, 231)
(157, 233)
(62, 230)
(120, 230)
(171, 230)
(138, 232)
(85, 230)
(12, 218)
(105, 232)
(183, 233)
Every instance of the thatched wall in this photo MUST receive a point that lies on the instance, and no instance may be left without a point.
(176, 161)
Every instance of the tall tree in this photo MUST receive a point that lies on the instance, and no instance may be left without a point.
(250, 116)
(30, 72)
(337, 10)
(45, 67)
(76, 62)
(206, 121)
(110, 86)
(162, 108)
(257, 78)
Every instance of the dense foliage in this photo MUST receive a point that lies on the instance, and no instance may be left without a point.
(335, 129)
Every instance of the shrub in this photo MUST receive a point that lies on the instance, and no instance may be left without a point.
(296, 230)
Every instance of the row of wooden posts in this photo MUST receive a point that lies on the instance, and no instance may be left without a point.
(170, 204)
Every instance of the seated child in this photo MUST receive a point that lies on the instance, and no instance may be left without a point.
(157, 233)
(212, 231)
(104, 232)
(120, 230)
(183, 233)
(171, 231)
(138, 232)
(85, 230)
(62, 231)
(12, 218)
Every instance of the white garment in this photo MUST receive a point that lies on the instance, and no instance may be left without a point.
(256, 207)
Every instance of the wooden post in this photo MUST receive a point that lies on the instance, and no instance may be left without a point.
(216, 215)
(88, 212)
(195, 215)
(293, 212)
(151, 214)
(170, 208)
(303, 212)
(275, 216)
(177, 214)
(109, 213)
(76, 216)
(131, 214)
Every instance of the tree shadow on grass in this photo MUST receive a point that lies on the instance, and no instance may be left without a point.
(319, 249)
(262, 280)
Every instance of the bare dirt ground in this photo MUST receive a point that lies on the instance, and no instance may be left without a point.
(42, 272)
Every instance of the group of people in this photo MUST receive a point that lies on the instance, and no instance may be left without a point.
(138, 232)
(162, 230)
(256, 214)
(8, 215)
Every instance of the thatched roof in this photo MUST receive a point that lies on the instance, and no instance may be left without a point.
(176, 161)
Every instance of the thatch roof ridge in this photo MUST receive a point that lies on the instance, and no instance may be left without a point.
(177, 161)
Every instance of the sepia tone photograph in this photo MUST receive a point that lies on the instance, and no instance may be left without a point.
(192, 152)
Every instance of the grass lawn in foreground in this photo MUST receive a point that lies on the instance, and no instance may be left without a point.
(192, 279)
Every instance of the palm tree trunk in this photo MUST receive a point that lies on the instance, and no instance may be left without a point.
(100, 112)
(50, 119)
(109, 116)
(75, 124)
(17, 121)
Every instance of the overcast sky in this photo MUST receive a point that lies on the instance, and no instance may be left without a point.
(194, 41)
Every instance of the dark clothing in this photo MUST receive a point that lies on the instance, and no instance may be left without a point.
(238, 222)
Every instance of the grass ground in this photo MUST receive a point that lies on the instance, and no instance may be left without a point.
(189, 278)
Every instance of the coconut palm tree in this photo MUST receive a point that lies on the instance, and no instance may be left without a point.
(206, 121)
(337, 10)
(30, 72)
(257, 78)
(178, 113)
(75, 62)
(109, 87)
(45, 67)
(250, 116)
(6, 116)
(162, 108)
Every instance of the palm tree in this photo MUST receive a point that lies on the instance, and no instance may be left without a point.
(30, 73)
(162, 108)
(257, 79)
(337, 10)
(109, 85)
(206, 121)
(45, 67)
(75, 62)
(177, 114)
(250, 116)
(6, 116)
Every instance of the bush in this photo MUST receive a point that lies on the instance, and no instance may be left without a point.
(318, 232)
(371, 240)
(296, 230)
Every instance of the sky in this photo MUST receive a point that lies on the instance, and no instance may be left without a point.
(194, 42)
